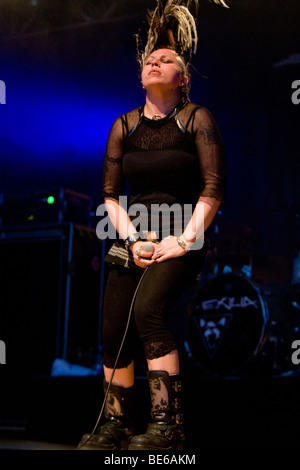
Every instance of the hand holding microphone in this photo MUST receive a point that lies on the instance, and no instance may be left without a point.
(148, 247)
(142, 253)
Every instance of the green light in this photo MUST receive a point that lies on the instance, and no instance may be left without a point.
(50, 199)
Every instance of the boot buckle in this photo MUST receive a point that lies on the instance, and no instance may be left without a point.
(169, 434)
(179, 418)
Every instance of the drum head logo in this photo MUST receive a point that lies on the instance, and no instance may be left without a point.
(212, 329)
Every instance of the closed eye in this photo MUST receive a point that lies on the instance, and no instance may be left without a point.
(164, 59)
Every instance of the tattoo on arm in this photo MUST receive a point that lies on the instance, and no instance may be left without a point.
(112, 160)
(210, 135)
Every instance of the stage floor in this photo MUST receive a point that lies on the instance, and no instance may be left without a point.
(52, 413)
(23, 444)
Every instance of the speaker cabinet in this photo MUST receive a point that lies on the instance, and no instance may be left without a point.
(50, 302)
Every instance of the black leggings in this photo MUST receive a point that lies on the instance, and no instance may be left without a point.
(161, 287)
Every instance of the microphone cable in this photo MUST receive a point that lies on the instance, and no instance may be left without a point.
(116, 361)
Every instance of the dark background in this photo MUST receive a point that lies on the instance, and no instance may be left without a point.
(70, 69)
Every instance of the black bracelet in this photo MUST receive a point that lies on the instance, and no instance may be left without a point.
(135, 237)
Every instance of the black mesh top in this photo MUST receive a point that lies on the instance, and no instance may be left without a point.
(174, 160)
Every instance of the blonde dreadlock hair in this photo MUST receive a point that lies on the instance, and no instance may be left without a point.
(221, 2)
(173, 26)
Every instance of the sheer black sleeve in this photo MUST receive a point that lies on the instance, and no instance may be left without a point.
(113, 178)
(211, 155)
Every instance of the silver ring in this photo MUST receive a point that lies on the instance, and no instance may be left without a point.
(138, 252)
(158, 253)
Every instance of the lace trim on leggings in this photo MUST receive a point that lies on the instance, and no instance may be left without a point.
(159, 348)
(110, 362)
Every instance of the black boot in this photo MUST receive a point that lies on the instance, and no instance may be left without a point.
(115, 434)
(165, 432)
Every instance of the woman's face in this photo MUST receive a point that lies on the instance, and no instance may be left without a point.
(163, 68)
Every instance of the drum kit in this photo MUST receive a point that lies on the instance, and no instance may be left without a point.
(243, 315)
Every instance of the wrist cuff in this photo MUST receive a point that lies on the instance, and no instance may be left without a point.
(183, 243)
(135, 237)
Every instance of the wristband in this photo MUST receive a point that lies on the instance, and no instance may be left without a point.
(135, 237)
(183, 243)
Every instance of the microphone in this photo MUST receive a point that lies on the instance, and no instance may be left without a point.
(148, 247)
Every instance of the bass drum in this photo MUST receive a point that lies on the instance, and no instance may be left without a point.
(227, 322)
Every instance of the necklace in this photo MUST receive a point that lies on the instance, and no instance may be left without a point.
(155, 117)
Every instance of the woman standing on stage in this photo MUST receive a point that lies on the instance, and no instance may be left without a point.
(170, 152)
